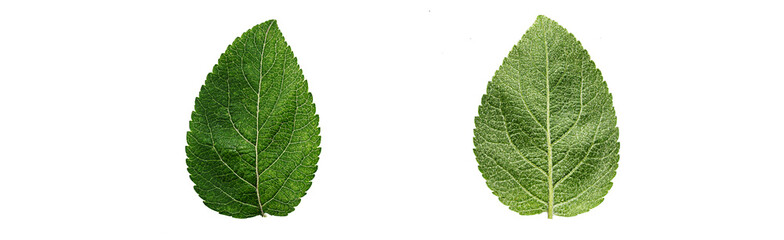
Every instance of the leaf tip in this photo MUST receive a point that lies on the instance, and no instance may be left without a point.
(542, 18)
(272, 21)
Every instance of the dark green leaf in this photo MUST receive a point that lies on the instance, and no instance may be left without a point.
(546, 138)
(254, 138)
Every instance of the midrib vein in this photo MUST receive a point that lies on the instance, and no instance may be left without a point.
(550, 194)
(258, 107)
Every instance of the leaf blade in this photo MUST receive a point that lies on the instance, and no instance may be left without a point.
(546, 97)
(254, 138)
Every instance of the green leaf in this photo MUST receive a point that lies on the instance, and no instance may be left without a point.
(254, 138)
(546, 138)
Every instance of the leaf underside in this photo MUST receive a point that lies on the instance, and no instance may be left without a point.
(254, 138)
(546, 138)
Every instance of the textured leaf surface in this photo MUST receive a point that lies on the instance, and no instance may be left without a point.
(254, 138)
(546, 138)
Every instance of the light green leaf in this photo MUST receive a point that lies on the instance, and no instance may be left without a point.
(254, 138)
(546, 138)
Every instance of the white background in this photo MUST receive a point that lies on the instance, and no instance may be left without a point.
(95, 99)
